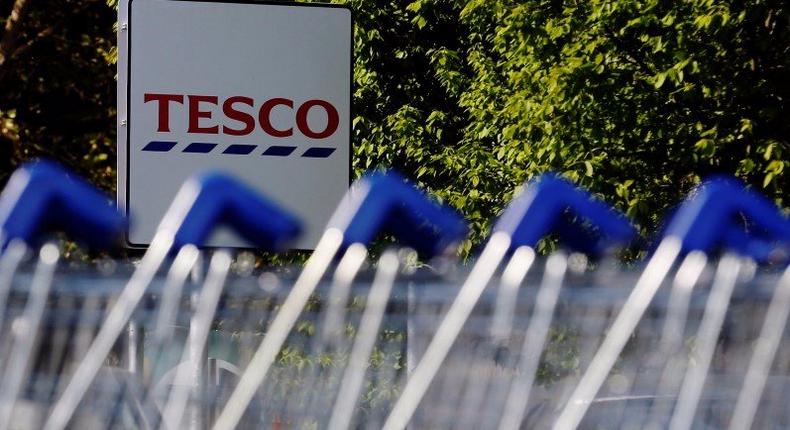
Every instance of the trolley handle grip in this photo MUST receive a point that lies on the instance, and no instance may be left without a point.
(211, 199)
(42, 196)
(387, 203)
(711, 218)
(551, 204)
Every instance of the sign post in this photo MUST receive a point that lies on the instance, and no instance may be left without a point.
(258, 90)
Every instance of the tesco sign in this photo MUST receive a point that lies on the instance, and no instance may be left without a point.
(258, 90)
(232, 111)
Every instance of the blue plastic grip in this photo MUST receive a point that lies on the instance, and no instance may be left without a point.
(551, 204)
(708, 220)
(579, 238)
(210, 199)
(386, 203)
(42, 196)
(737, 239)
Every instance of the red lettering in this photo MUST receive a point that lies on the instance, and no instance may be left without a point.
(244, 120)
(265, 113)
(333, 119)
(195, 114)
(163, 105)
(237, 115)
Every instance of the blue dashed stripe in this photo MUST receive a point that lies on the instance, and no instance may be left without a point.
(159, 146)
(200, 148)
(238, 149)
(279, 151)
(317, 152)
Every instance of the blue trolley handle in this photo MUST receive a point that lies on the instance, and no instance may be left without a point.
(42, 196)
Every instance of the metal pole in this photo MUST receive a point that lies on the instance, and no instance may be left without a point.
(25, 332)
(629, 316)
(113, 326)
(763, 355)
(354, 375)
(539, 325)
(447, 332)
(258, 368)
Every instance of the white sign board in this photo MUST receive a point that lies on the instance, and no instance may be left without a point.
(260, 91)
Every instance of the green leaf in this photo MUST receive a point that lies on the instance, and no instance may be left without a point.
(658, 80)
(589, 168)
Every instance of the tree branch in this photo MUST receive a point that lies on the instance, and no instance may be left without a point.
(13, 27)
(27, 45)
(630, 52)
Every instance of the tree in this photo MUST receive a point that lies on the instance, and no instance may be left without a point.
(58, 91)
(636, 100)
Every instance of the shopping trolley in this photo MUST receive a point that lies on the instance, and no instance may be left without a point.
(378, 203)
(202, 204)
(509, 340)
(40, 198)
(618, 357)
(547, 205)
(704, 223)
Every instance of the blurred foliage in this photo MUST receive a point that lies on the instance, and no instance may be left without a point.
(635, 99)
(57, 90)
